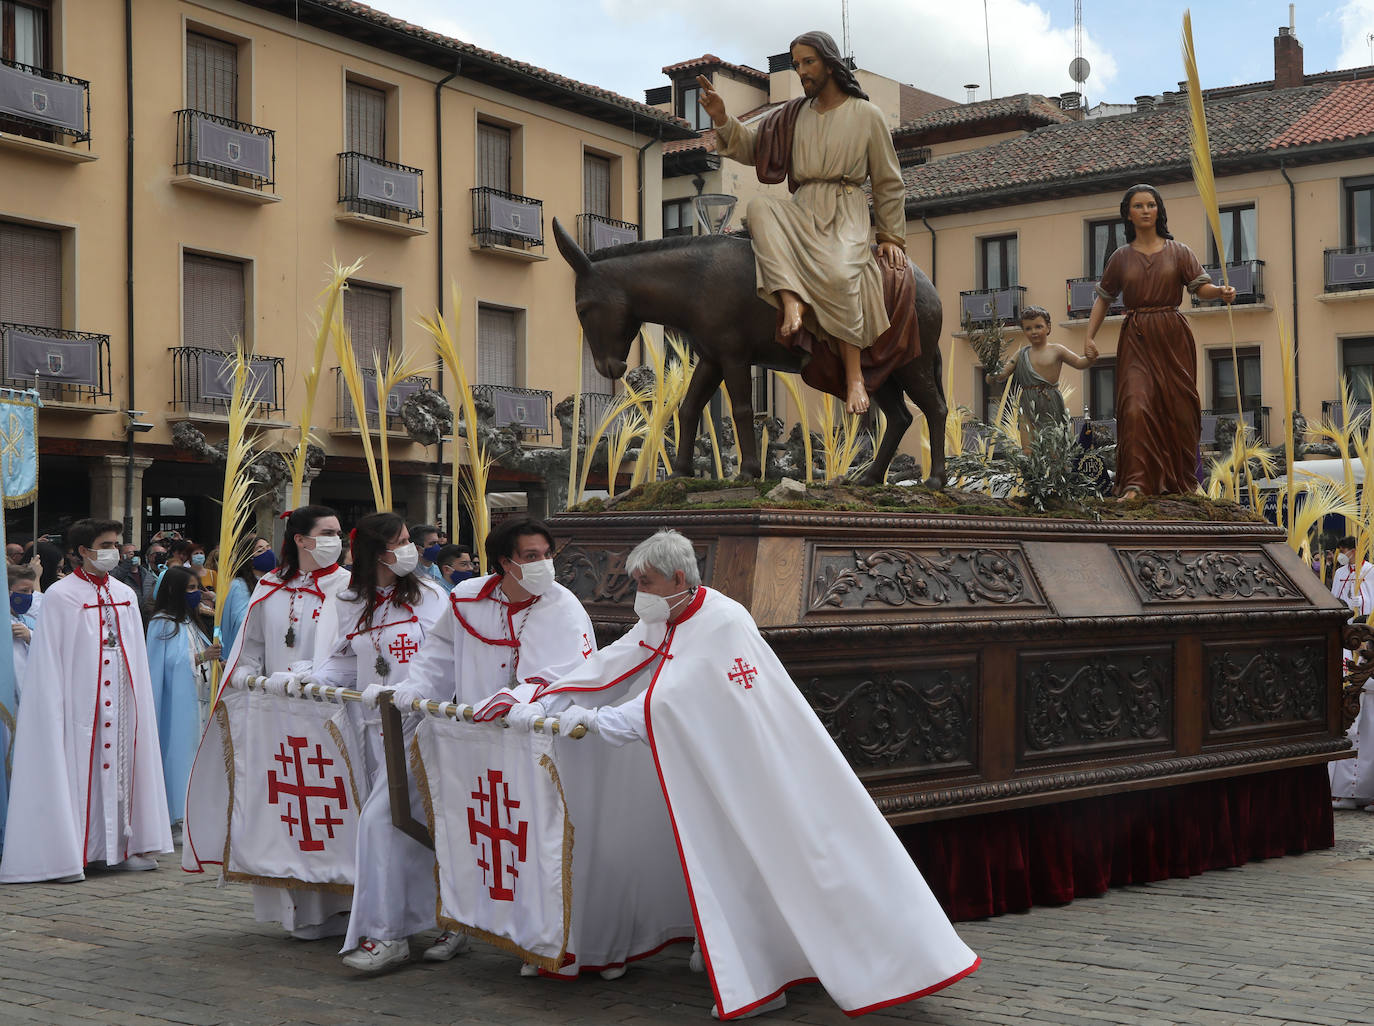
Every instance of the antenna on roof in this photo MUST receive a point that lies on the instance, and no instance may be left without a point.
(970, 88)
(845, 48)
(1079, 66)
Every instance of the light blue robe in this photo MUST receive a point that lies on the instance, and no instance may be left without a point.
(235, 610)
(175, 678)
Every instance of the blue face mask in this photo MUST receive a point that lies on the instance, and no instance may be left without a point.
(193, 600)
(265, 561)
(431, 552)
(20, 602)
(198, 559)
(459, 576)
(134, 561)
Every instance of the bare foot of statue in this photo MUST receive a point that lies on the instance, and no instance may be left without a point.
(792, 310)
(858, 398)
(1128, 495)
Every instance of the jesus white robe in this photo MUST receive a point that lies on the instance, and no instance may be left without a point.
(793, 873)
(87, 784)
(480, 641)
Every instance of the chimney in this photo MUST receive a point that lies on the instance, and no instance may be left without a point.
(1287, 59)
(1071, 104)
(1145, 102)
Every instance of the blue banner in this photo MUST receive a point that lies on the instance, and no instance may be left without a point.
(18, 448)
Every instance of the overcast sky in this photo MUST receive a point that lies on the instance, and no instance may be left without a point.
(937, 45)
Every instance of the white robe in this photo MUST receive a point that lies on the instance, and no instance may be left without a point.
(261, 648)
(793, 873)
(468, 654)
(87, 784)
(1354, 778)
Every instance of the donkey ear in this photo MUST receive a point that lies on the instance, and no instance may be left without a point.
(571, 251)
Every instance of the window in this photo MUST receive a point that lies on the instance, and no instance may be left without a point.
(678, 218)
(1237, 236)
(26, 31)
(1357, 364)
(213, 313)
(596, 185)
(493, 156)
(998, 258)
(592, 379)
(212, 76)
(689, 109)
(497, 346)
(367, 316)
(763, 395)
(1104, 239)
(1224, 379)
(30, 275)
(1359, 213)
(1102, 390)
(364, 120)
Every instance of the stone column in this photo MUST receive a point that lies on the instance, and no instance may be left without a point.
(107, 493)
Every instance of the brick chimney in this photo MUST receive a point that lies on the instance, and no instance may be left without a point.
(1287, 59)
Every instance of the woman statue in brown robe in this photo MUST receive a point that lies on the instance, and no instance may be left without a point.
(1158, 417)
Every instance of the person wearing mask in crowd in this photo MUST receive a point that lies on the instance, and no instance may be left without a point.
(426, 539)
(130, 569)
(246, 578)
(85, 743)
(179, 658)
(153, 562)
(209, 569)
(278, 640)
(178, 554)
(455, 565)
(23, 616)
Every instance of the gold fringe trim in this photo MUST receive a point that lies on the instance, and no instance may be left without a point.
(336, 736)
(15, 501)
(288, 883)
(548, 764)
(7, 718)
(227, 744)
(421, 780)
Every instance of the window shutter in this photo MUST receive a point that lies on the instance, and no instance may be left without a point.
(367, 316)
(493, 156)
(496, 347)
(596, 185)
(212, 76)
(365, 120)
(30, 275)
(592, 381)
(212, 303)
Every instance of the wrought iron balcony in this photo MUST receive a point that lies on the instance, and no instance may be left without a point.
(203, 381)
(1256, 424)
(64, 366)
(912, 156)
(596, 232)
(506, 219)
(1082, 293)
(1331, 411)
(346, 417)
(529, 409)
(380, 188)
(983, 306)
(233, 152)
(1350, 268)
(595, 406)
(43, 104)
(1246, 277)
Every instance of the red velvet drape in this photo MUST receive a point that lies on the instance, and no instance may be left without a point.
(1048, 855)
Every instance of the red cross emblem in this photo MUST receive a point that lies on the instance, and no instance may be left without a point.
(488, 836)
(403, 648)
(743, 673)
(292, 785)
(586, 646)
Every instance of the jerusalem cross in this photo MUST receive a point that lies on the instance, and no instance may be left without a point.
(292, 770)
(493, 833)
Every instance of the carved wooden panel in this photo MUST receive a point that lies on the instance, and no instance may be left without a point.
(596, 573)
(981, 581)
(919, 717)
(1093, 702)
(1170, 576)
(1265, 685)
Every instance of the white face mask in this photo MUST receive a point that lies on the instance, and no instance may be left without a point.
(105, 560)
(326, 550)
(537, 577)
(1343, 559)
(654, 608)
(407, 559)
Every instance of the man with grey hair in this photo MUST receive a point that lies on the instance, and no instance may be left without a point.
(792, 870)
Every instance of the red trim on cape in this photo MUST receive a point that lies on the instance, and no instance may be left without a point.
(977, 961)
(564, 978)
(484, 594)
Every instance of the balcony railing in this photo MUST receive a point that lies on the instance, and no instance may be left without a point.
(1256, 424)
(44, 104)
(380, 188)
(506, 219)
(1331, 411)
(912, 156)
(595, 406)
(203, 381)
(1104, 428)
(1082, 293)
(346, 418)
(1246, 277)
(1350, 268)
(530, 409)
(224, 150)
(596, 232)
(64, 366)
(983, 306)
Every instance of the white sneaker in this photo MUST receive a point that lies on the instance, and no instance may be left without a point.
(1344, 803)
(445, 946)
(135, 864)
(1369, 807)
(697, 963)
(778, 1002)
(615, 972)
(528, 970)
(373, 956)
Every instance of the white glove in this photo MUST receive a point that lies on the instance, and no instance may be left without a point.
(241, 676)
(404, 695)
(371, 694)
(576, 716)
(522, 716)
(281, 683)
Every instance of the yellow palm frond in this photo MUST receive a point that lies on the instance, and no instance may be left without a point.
(624, 414)
(390, 372)
(353, 379)
(792, 382)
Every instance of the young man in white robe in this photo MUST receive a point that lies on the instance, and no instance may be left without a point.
(279, 640)
(513, 626)
(86, 758)
(792, 871)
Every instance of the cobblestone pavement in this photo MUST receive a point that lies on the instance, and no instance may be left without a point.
(1283, 941)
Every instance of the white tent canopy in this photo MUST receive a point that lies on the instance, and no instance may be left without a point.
(1305, 471)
